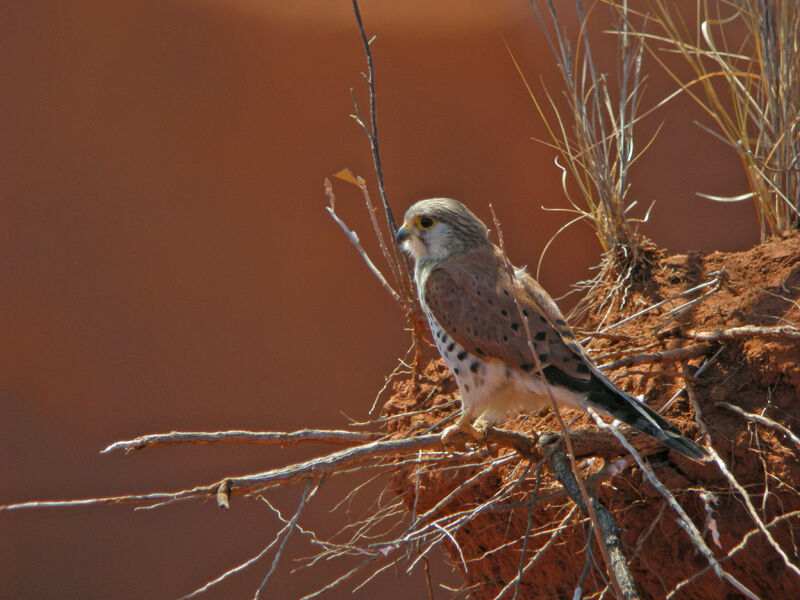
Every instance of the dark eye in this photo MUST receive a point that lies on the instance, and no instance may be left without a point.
(426, 222)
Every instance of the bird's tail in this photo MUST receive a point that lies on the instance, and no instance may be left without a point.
(607, 398)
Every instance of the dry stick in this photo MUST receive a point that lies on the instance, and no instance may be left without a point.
(683, 519)
(587, 565)
(587, 443)
(683, 308)
(456, 520)
(401, 265)
(567, 440)
(626, 351)
(394, 259)
(738, 487)
(487, 470)
(717, 279)
(362, 185)
(732, 480)
(539, 553)
(404, 415)
(732, 551)
(342, 578)
(707, 362)
(286, 530)
(678, 354)
(608, 525)
(734, 333)
(174, 438)
(331, 464)
(290, 528)
(526, 537)
(761, 419)
(127, 499)
(372, 131)
(353, 237)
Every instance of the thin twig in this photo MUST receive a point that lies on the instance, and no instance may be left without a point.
(285, 531)
(736, 485)
(372, 130)
(540, 552)
(353, 237)
(740, 546)
(761, 419)
(715, 281)
(290, 527)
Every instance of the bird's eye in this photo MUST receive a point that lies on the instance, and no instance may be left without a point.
(425, 223)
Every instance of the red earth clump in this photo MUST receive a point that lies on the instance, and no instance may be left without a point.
(759, 375)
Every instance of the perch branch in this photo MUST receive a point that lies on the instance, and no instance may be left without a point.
(586, 443)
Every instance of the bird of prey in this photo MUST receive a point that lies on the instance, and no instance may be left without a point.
(487, 320)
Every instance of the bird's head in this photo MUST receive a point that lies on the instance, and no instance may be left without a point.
(437, 228)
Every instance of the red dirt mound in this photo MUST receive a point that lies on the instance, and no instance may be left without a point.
(747, 399)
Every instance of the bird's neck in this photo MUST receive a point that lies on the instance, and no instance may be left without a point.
(422, 269)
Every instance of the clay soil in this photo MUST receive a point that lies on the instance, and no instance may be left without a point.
(761, 287)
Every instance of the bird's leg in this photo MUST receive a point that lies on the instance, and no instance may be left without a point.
(462, 425)
(480, 427)
(477, 429)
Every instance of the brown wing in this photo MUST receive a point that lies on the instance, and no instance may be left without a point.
(472, 297)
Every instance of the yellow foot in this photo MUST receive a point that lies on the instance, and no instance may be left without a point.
(480, 429)
(477, 430)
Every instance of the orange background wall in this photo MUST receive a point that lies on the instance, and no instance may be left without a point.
(166, 261)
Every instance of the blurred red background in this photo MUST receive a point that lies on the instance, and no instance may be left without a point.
(166, 261)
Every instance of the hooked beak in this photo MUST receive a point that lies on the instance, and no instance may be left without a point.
(403, 234)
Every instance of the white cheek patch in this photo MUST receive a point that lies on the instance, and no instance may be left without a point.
(415, 247)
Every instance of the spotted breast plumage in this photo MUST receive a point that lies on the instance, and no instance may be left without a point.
(488, 323)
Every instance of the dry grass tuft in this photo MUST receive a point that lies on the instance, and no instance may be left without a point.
(594, 134)
(745, 58)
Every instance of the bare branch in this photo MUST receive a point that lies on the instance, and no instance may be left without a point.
(618, 566)
(174, 438)
(747, 331)
(290, 527)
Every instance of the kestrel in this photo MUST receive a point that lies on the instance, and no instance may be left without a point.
(478, 315)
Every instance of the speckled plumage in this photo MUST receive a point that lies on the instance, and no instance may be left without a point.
(484, 323)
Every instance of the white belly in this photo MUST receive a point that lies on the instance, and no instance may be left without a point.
(490, 388)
